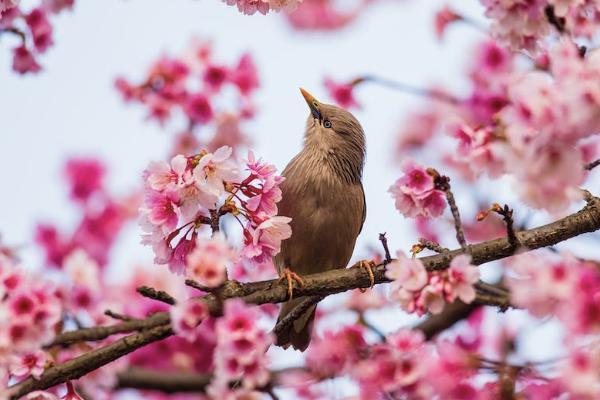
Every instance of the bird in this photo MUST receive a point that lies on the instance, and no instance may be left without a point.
(323, 194)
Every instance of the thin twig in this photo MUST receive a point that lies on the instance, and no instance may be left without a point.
(115, 315)
(386, 249)
(442, 183)
(433, 246)
(590, 166)
(154, 294)
(196, 285)
(405, 88)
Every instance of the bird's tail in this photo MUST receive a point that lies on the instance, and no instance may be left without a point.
(299, 332)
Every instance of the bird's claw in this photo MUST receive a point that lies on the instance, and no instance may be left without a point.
(367, 265)
(291, 276)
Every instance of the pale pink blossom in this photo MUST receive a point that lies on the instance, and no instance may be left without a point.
(264, 241)
(161, 176)
(82, 269)
(7, 5)
(186, 315)
(207, 263)
(415, 195)
(32, 363)
(461, 277)
(408, 273)
(212, 170)
(241, 347)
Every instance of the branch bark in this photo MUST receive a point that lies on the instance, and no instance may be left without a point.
(79, 366)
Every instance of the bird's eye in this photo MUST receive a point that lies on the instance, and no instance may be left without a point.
(327, 123)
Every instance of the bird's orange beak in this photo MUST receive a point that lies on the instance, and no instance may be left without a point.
(313, 104)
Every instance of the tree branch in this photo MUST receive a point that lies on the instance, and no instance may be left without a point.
(79, 366)
(102, 332)
(341, 280)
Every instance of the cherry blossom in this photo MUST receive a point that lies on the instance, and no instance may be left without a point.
(415, 195)
(342, 93)
(241, 347)
(416, 290)
(207, 263)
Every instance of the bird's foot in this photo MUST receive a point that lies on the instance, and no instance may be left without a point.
(367, 265)
(290, 276)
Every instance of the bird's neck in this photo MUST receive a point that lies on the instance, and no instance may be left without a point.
(344, 162)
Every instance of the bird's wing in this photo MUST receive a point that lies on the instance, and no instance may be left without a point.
(364, 208)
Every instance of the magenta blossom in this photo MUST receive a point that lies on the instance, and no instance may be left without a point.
(342, 93)
(415, 195)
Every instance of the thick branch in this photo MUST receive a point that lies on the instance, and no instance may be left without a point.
(102, 332)
(88, 362)
(341, 280)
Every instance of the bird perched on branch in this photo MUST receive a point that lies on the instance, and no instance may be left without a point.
(323, 195)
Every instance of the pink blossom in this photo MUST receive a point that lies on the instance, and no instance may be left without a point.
(24, 61)
(57, 6)
(85, 176)
(335, 352)
(443, 18)
(241, 347)
(580, 373)
(211, 172)
(478, 147)
(341, 93)
(32, 363)
(245, 74)
(264, 241)
(162, 208)
(7, 5)
(198, 108)
(82, 269)
(408, 273)
(40, 27)
(186, 315)
(161, 176)
(323, 15)
(215, 76)
(207, 263)
(415, 195)
(461, 277)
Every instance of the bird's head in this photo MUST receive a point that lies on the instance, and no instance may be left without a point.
(334, 131)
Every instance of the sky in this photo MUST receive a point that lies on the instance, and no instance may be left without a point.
(71, 108)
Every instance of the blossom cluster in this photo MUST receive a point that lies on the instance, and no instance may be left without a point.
(31, 310)
(33, 29)
(420, 291)
(415, 194)
(191, 192)
(103, 215)
(560, 285)
(536, 122)
(241, 349)
(198, 87)
(250, 7)
(523, 25)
